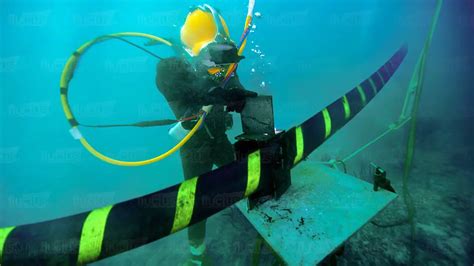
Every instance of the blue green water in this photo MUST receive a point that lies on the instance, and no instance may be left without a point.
(303, 53)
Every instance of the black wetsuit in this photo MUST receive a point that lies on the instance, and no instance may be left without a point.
(186, 92)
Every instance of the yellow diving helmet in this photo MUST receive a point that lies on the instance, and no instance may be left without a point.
(205, 35)
(203, 25)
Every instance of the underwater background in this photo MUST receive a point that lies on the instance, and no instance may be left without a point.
(304, 53)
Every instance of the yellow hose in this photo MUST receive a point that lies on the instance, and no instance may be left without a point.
(68, 72)
(144, 162)
(66, 77)
(233, 66)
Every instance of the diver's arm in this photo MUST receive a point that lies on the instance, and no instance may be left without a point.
(234, 95)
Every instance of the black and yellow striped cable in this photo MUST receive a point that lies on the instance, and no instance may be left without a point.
(90, 236)
(318, 128)
(103, 232)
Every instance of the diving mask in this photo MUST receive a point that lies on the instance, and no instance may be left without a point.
(218, 58)
(218, 72)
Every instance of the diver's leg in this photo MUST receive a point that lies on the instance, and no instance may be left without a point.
(196, 161)
(223, 152)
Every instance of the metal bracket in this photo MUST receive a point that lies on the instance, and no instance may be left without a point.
(381, 180)
(278, 177)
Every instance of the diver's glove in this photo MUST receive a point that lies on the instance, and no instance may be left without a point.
(233, 98)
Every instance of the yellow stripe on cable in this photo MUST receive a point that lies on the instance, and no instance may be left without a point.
(347, 107)
(92, 235)
(381, 78)
(253, 173)
(184, 204)
(299, 145)
(4, 232)
(372, 84)
(386, 69)
(327, 122)
(362, 95)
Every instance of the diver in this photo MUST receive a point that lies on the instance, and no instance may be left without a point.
(194, 80)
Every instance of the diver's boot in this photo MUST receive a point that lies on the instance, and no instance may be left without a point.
(198, 256)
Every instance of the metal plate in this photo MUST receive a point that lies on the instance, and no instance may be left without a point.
(257, 116)
(319, 212)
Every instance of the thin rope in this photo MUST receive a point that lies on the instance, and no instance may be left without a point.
(138, 46)
(410, 105)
